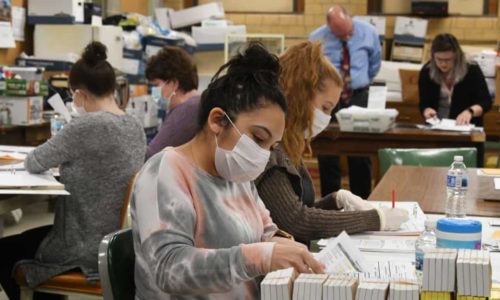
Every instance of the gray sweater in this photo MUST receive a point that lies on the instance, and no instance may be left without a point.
(98, 153)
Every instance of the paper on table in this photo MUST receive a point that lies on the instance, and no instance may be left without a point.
(23, 179)
(415, 224)
(58, 105)
(451, 125)
(6, 36)
(400, 245)
(342, 256)
(32, 192)
(18, 149)
(12, 166)
(8, 156)
(497, 183)
(377, 96)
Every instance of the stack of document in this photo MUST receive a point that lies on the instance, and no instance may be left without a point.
(404, 290)
(12, 157)
(309, 286)
(473, 273)
(22, 182)
(372, 289)
(277, 285)
(439, 270)
(340, 288)
(451, 125)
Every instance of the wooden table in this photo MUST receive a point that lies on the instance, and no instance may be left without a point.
(427, 186)
(332, 141)
(32, 135)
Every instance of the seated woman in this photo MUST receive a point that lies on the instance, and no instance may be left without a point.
(312, 88)
(200, 229)
(451, 87)
(98, 153)
(174, 74)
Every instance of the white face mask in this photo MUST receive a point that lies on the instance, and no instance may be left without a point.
(244, 163)
(320, 122)
(79, 110)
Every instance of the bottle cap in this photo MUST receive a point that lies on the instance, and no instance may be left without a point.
(430, 224)
(458, 158)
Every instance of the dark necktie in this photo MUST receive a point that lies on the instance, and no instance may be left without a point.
(345, 70)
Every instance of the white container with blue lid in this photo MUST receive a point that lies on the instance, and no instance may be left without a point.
(458, 233)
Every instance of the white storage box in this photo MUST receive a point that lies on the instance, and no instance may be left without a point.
(46, 8)
(21, 110)
(196, 14)
(359, 119)
(63, 41)
(144, 109)
(215, 35)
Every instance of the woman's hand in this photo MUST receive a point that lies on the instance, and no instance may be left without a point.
(464, 117)
(292, 254)
(429, 113)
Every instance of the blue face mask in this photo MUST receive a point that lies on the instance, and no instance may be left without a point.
(157, 95)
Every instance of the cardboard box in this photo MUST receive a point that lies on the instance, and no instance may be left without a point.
(153, 44)
(466, 7)
(196, 14)
(133, 62)
(409, 85)
(410, 30)
(21, 110)
(20, 87)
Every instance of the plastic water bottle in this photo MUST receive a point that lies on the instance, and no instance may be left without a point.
(426, 241)
(456, 188)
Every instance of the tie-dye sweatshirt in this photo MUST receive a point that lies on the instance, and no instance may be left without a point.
(197, 236)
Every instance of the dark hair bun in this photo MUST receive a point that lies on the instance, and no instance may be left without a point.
(94, 53)
(255, 58)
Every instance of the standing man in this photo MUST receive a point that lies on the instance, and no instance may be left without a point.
(353, 47)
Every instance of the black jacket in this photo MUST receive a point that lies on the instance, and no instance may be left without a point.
(471, 90)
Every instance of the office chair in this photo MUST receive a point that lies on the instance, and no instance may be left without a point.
(432, 157)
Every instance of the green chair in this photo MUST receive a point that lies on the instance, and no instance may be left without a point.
(116, 265)
(432, 157)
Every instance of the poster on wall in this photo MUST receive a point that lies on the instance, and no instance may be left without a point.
(5, 10)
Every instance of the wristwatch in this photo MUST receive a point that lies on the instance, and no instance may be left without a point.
(471, 111)
(283, 234)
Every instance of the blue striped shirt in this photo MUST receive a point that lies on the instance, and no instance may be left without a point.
(364, 51)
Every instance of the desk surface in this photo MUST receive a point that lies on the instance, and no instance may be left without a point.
(427, 186)
(333, 141)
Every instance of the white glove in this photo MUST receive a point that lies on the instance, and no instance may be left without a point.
(351, 202)
(392, 218)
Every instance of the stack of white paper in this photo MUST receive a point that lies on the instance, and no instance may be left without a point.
(388, 270)
(473, 273)
(404, 290)
(22, 182)
(439, 270)
(372, 289)
(308, 286)
(340, 288)
(277, 285)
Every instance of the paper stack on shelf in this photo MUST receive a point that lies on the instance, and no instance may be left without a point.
(309, 286)
(372, 289)
(439, 270)
(404, 290)
(277, 285)
(474, 273)
(340, 288)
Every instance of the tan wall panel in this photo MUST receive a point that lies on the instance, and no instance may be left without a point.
(285, 6)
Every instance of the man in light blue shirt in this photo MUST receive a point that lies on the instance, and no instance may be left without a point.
(353, 47)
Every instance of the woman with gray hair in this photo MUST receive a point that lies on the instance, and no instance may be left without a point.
(451, 87)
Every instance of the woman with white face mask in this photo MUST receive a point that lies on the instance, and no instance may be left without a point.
(312, 88)
(200, 228)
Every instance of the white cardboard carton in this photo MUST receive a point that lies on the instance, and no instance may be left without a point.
(196, 14)
(21, 110)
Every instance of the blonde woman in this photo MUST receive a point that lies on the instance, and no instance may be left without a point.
(312, 88)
